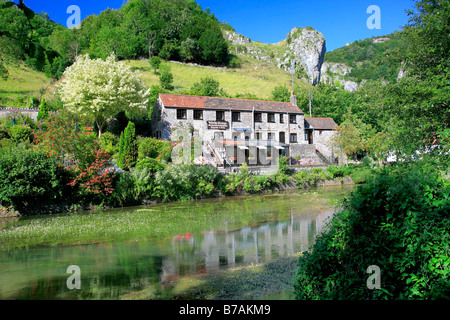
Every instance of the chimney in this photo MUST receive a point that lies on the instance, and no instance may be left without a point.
(293, 99)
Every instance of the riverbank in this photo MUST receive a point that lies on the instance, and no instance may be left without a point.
(67, 207)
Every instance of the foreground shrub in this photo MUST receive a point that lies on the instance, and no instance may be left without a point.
(20, 133)
(398, 222)
(184, 182)
(94, 182)
(29, 177)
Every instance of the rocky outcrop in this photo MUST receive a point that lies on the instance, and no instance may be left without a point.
(305, 52)
(302, 52)
(380, 40)
(236, 38)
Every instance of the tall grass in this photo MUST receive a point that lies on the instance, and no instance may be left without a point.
(22, 81)
(258, 79)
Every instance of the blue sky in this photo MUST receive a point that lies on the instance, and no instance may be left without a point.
(269, 21)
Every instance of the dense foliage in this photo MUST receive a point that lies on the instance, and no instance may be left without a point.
(30, 178)
(369, 60)
(128, 149)
(173, 30)
(25, 35)
(397, 222)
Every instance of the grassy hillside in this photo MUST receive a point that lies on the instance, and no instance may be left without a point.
(253, 78)
(22, 82)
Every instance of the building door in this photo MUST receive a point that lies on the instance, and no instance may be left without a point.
(282, 137)
(310, 137)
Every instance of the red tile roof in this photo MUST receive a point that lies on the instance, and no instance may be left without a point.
(213, 103)
(321, 123)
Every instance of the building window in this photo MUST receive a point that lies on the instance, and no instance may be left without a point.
(258, 135)
(220, 115)
(258, 117)
(218, 135)
(293, 138)
(181, 113)
(281, 118)
(236, 116)
(198, 114)
(270, 136)
(282, 137)
(271, 117)
(293, 118)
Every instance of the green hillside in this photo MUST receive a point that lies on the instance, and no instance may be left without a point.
(370, 60)
(251, 80)
(23, 82)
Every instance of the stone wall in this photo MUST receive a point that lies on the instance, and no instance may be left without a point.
(322, 140)
(32, 113)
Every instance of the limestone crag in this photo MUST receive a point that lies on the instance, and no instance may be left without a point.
(333, 74)
(305, 52)
(236, 38)
(301, 53)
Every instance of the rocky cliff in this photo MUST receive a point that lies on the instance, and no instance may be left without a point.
(301, 53)
(304, 54)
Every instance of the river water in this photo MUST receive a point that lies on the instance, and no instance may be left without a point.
(280, 224)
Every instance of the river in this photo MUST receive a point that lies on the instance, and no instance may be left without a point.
(243, 231)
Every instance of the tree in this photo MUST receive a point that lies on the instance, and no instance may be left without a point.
(128, 150)
(43, 110)
(166, 77)
(214, 47)
(155, 62)
(420, 101)
(355, 138)
(281, 93)
(208, 87)
(100, 89)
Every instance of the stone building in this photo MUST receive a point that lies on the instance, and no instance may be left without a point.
(235, 130)
(319, 132)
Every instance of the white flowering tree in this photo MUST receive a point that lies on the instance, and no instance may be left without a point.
(101, 88)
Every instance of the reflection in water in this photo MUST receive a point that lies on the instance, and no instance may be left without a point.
(118, 269)
(250, 245)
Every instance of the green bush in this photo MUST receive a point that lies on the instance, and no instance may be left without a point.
(128, 150)
(20, 133)
(306, 178)
(110, 143)
(398, 222)
(185, 182)
(361, 175)
(151, 165)
(334, 172)
(29, 177)
(283, 165)
(124, 192)
(149, 148)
